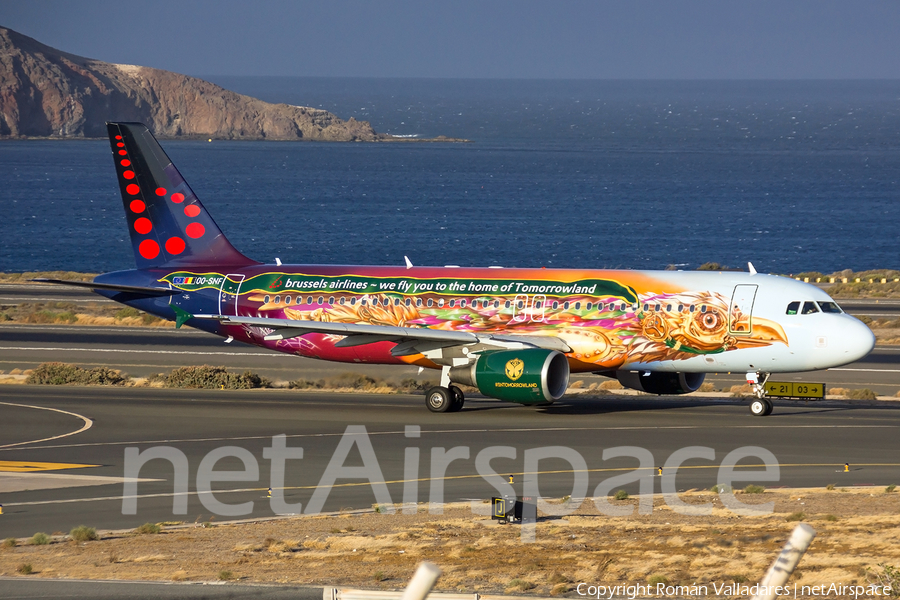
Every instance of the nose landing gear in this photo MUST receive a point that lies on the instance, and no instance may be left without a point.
(761, 406)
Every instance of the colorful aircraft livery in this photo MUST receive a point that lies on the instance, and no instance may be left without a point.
(514, 334)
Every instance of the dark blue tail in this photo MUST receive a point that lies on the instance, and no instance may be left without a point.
(168, 225)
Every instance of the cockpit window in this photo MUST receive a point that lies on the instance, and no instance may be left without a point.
(830, 307)
(809, 308)
(793, 308)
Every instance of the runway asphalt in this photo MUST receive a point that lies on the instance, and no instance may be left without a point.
(810, 442)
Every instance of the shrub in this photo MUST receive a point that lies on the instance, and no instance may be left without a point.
(127, 312)
(25, 569)
(519, 584)
(707, 387)
(379, 576)
(889, 578)
(612, 384)
(621, 495)
(83, 533)
(40, 539)
(656, 579)
(148, 528)
(213, 378)
(863, 394)
(353, 381)
(754, 489)
(10, 542)
(830, 487)
(720, 488)
(797, 516)
(889, 489)
(226, 575)
(55, 373)
(831, 518)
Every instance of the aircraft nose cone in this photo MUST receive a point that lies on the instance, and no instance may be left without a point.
(856, 341)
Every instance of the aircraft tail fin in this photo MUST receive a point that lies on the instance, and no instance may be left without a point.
(169, 226)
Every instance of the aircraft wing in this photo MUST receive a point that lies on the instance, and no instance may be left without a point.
(409, 340)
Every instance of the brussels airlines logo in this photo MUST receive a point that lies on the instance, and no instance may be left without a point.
(514, 369)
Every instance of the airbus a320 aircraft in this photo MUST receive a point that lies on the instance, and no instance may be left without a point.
(514, 334)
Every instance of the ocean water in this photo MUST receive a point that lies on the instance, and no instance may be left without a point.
(793, 176)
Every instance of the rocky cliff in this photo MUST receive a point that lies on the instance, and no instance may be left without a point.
(45, 92)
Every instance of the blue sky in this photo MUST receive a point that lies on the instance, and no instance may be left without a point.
(636, 39)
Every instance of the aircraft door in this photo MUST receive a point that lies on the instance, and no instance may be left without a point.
(520, 308)
(538, 304)
(740, 314)
(229, 293)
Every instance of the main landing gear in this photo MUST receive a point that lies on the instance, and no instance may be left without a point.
(762, 406)
(444, 399)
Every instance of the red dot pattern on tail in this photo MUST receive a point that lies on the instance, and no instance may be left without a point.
(195, 230)
(149, 249)
(143, 226)
(175, 245)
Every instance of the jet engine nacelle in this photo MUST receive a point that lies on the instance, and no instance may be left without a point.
(661, 383)
(531, 376)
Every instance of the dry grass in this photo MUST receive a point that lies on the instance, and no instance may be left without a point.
(381, 551)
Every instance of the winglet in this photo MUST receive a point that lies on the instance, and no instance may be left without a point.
(751, 268)
(409, 264)
(181, 316)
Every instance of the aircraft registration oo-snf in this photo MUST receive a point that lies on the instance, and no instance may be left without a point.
(514, 334)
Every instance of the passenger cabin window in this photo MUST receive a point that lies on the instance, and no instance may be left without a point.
(441, 302)
(266, 299)
(363, 302)
(353, 301)
(418, 302)
(331, 300)
(309, 300)
(277, 299)
(566, 305)
(703, 308)
(555, 305)
(462, 303)
(507, 305)
(830, 307)
(288, 299)
(408, 301)
(809, 308)
(578, 306)
(374, 301)
(793, 308)
(321, 299)
(452, 303)
(343, 300)
(430, 303)
(692, 308)
(588, 306)
(668, 308)
(496, 304)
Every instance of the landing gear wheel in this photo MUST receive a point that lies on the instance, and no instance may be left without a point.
(439, 399)
(761, 407)
(458, 399)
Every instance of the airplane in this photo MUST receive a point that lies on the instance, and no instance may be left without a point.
(513, 334)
